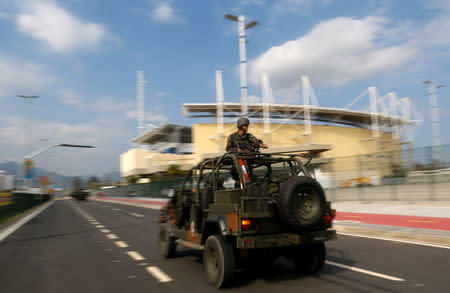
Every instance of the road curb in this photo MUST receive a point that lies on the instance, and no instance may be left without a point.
(420, 239)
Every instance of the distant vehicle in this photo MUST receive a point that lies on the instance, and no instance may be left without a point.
(80, 195)
(274, 208)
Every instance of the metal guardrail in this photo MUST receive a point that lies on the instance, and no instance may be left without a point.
(18, 202)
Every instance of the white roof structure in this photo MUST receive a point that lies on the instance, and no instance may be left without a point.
(294, 112)
(384, 113)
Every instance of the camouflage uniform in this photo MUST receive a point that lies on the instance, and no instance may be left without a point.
(246, 142)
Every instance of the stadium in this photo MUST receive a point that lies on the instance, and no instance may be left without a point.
(383, 125)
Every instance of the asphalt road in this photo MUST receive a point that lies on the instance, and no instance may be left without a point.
(106, 247)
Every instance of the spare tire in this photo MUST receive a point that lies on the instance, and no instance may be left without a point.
(301, 203)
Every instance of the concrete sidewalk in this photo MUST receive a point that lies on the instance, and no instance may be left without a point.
(420, 222)
(439, 209)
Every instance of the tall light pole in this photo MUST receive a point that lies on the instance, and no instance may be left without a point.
(28, 128)
(140, 94)
(243, 58)
(434, 111)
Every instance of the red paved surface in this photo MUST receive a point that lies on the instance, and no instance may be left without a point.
(396, 220)
(376, 219)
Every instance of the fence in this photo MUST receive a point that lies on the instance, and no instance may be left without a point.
(151, 189)
(406, 174)
(14, 203)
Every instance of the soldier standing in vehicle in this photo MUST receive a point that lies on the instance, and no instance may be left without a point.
(242, 140)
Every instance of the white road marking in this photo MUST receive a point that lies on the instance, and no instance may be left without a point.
(135, 255)
(99, 226)
(8, 231)
(364, 271)
(158, 274)
(121, 244)
(95, 223)
(137, 215)
(105, 230)
(395, 240)
(111, 236)
(116, 209)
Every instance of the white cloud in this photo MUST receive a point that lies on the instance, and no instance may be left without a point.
(245, 3)
(21, 77)
(109, 135)
(335, 52)
(70, 97)
(150, 116)
(110, 104)
(61, 31)
(436, 32)
(164, 12)
(254, 99)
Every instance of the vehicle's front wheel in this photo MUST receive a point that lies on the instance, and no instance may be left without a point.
(309, 259)
(167, 244)
(218, 260)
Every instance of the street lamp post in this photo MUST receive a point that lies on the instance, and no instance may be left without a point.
(434, 111)
(243, 57)
(28, 128)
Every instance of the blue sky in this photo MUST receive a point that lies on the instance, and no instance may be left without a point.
(81, 58)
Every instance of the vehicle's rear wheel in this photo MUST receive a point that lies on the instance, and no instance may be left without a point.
(301, 203)
(309, 259)
(167, 244)
(218, 260)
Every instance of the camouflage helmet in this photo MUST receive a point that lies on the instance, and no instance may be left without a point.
(241, 122)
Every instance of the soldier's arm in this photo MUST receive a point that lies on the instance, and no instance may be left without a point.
(253, 140)
(230, 146)
(257, 142)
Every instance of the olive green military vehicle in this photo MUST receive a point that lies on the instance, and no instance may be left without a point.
(245, 209)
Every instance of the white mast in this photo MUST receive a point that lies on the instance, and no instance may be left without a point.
(434, 111)
(267, 99)
(140, 96)
(219, 101)
(243, 65)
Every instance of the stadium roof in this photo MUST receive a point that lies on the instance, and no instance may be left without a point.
(166, 133)
(294, 112)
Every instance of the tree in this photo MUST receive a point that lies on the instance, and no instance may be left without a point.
(76, 183)
(93, 183)
(107, 181)
(174, 170)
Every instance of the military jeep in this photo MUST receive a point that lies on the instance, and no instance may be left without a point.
(245, 209)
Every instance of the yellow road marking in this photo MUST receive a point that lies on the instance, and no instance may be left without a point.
(420, 221)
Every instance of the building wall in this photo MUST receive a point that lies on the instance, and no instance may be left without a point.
(157, 162)
(142, 162)
(133, 162)
(345, 141)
